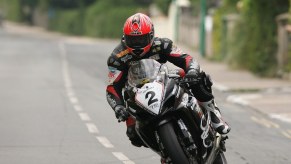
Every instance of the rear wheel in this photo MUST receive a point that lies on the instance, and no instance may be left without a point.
(170, 141)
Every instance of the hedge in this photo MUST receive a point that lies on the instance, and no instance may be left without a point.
(102, 19)
(253, 44)
(255, 40)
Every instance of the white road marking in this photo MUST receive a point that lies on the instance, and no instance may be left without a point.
(242, 99)
(66, 74)
(74, 100)
(67, 83)
(92, 128)
(104, 141)
(84, 116)
(78, 108)
(265, 122)
(282, 117)
(287, 134)
(220, 87)
(237, 100)
(122, 158)
(70, 92)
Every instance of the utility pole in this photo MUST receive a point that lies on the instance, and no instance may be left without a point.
(202, 27)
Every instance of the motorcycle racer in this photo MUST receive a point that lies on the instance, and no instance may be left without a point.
(138, 42)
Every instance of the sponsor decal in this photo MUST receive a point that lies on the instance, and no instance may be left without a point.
(111, 60)
(198, 110)
(125, 58)
(122, 53)
(158, 42)
(166, 45)
(113, 74)
(112, 69)
(204, 125)
(110, 75)
(116, 63)
(133, 63)
(154, 106)
(111, 101)
(144, 90)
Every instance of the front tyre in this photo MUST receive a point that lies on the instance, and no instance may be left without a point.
(171, 143)
(220, 159)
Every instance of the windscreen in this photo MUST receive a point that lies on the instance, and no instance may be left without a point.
(143, 71)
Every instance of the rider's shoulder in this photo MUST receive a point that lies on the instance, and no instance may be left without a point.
(115, 58)
(119, 51)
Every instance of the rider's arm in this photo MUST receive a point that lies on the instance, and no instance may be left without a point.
(192, 68)
(177, 57)
(117, 78)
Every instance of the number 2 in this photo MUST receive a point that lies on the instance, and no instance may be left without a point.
(152, 95)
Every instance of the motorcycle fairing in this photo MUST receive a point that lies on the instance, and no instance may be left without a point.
(150, 96)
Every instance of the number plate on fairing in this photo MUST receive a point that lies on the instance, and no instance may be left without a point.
(150, 96)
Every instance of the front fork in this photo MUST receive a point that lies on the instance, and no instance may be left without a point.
(186, 140)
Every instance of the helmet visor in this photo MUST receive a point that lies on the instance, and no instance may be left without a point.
(138, 41)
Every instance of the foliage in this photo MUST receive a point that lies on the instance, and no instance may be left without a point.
(69, 4)
(288, 66)
(11, 9)
(96, 24)
(252, 44)
(67, 22)
(255, 36)
(101, 19)
(220, 28)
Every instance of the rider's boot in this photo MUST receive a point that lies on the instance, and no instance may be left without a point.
(216, 119)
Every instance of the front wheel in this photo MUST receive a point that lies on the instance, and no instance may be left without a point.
(220, 159)
(170, 141)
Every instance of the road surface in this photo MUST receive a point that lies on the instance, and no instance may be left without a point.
(54, 110)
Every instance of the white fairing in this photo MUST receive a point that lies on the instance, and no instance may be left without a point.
(150, 96)
(184, 101)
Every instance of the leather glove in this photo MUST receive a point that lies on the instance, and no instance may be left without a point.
(120, 113)
(192, 76)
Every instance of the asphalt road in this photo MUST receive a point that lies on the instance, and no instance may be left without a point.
(53, 109)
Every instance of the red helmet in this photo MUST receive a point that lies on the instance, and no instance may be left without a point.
(138, 33)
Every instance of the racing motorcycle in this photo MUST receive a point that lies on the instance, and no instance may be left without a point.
(168, 118)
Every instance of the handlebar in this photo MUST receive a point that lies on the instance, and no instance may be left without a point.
(183, 80)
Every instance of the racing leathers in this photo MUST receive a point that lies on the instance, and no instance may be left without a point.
(162, 50)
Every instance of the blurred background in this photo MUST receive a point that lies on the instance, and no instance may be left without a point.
(247, 34)
(53, 76)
